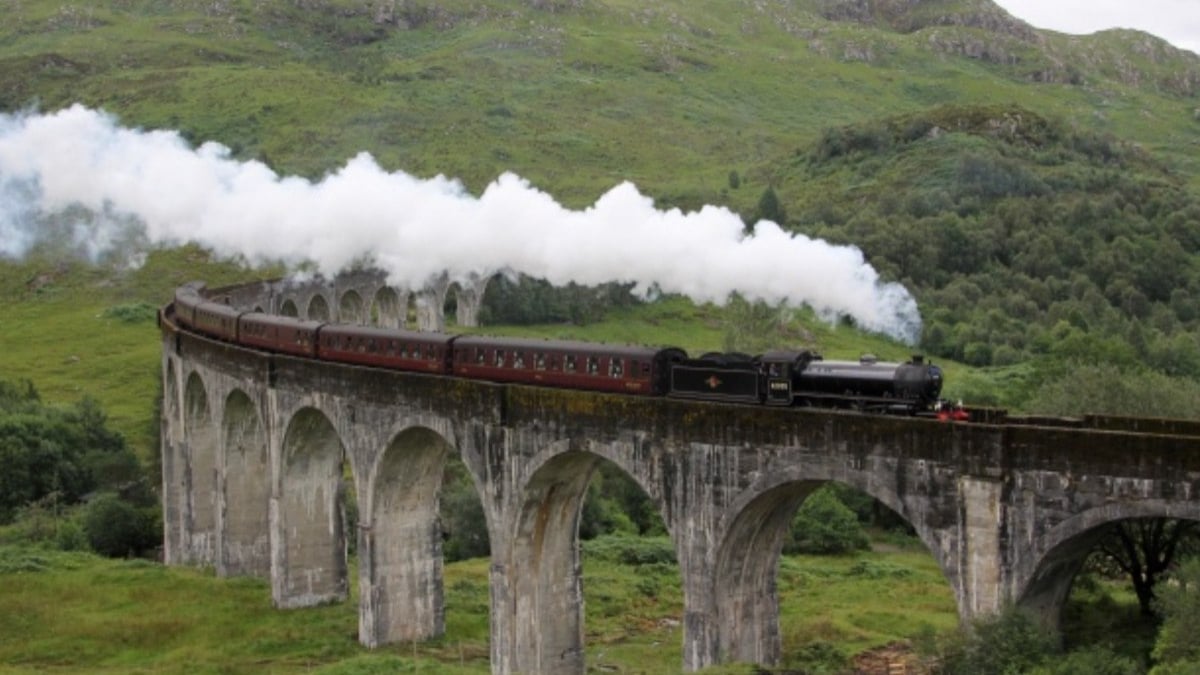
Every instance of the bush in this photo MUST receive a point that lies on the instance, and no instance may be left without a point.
(818, 658)
(1092, 661)
(631, 550)
(71, 537)
(116, 528)
(49, 450)
(825, 526)
(1010, 643)
(138, 312)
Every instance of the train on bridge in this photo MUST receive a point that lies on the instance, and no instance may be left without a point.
(776, 378)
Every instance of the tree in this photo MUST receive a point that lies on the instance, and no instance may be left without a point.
(1145, 549)
(1074, 388)
(750, 327)
(770, 208)
(1177, 651)
(49, 449)
(824, 525)
(464, 526)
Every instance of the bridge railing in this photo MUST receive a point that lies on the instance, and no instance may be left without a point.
(1143, 425)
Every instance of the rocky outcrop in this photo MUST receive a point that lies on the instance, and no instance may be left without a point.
(910, 16)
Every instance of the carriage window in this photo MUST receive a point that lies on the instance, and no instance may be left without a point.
(593, 365)
(518, 359)
(371, 346)
(539, 361)
(479, 355)
(615, 369)
(569, 364)
(499, 358)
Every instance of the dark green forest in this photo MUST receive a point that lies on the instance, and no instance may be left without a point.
(1020, 234)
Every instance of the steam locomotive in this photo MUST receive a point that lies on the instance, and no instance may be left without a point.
(776, 378)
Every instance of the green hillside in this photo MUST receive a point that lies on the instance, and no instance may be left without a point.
(1019, 234)
(1037, 192)
(576, 95)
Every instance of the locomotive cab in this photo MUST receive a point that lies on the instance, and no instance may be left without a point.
(779, 369)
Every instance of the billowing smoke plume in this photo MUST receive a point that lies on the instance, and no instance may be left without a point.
(80, 160)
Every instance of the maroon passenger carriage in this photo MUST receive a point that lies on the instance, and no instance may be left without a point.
(385, 347)
(564, 363)
(287, 335)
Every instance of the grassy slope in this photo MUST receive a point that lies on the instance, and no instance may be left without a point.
(671, 95)
(57, 331)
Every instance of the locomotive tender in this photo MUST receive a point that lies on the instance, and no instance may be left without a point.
(778, 378)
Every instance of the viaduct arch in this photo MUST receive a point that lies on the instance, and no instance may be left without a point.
(259, 449)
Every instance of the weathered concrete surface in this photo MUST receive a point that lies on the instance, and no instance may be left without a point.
(1006, 511)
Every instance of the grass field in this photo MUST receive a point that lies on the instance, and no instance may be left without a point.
(76, 613)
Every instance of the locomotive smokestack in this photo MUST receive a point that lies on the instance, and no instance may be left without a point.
(112, 186)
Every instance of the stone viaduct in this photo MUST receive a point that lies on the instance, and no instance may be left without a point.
(255, 447)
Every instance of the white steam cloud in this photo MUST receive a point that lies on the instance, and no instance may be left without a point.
(152, 185)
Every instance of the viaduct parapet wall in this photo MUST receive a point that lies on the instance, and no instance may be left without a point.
(255, 447)
(363, 298)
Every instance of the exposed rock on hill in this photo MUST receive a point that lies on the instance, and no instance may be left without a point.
(909, 16)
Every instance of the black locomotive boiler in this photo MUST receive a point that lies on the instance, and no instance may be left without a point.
(787, 378)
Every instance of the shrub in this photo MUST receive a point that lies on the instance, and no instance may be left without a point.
(631, 550)
(1098, 660)
(824, 525)
(138, 312)
(818, 658)
(1011, 642)
(116, 528)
